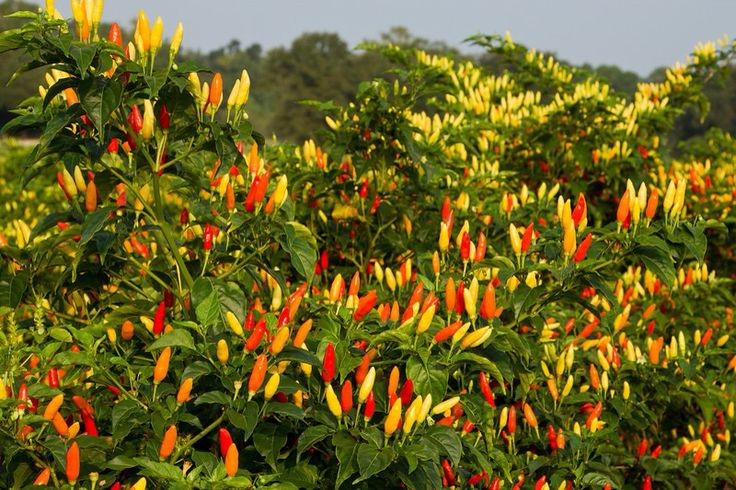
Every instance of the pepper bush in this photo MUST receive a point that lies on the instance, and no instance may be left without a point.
(473, 280)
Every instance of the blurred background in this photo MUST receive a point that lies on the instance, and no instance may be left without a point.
(306, 50)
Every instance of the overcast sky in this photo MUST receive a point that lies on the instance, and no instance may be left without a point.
(637, 35)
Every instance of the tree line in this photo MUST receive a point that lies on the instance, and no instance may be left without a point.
(321, 66)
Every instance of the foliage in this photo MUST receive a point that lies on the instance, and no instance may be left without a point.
(528, 301)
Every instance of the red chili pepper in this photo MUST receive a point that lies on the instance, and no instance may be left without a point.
(656, 451)
(468, 426)
(446, 208)
(365, 305)
(250, 198)
(495, 484)
(448, 472)
(370, 406)
(114, 390)
(115, 486)
(164, 119)
(407, 390)
(485, 389)
(159, 318)
(168, 298)
(328, 364)
(256, 335)
(647, 485)
(284, 317)
(184, 217)
(208, 235)
(579, 211)
(512, 420)
(460, 299)
(526, 238)
(324, 260)
(363, 192)
(113, 146)
(225, 440)
(114, 35)
(249, 321)
(582, 248)
(89, 423)
(540, 482)
(642, 448)
(465, 247)
(135, 119)
(447, 332)
(480, 247)
(475, 479)
(22, 396)
(552, 437)
(53, 378)
(346, 396)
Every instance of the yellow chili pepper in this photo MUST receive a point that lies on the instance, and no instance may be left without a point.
(332, 402)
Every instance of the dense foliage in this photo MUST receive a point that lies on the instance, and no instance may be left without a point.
(474, 280)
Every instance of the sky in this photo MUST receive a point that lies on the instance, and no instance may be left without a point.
(636, 35)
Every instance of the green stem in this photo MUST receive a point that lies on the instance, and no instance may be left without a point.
(216, 423)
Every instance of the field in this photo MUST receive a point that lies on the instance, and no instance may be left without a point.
(463, 280)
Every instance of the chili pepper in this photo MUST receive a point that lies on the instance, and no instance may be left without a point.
(642, 448)
(90, 428)
(159, 318)
(552, 437)
(114, 35)
(184, 217)
(393, 380)
(215, 96)
(302, 332)
(448, 472)
(127, 330)
(284, 317)
(135, 119)
(207, 237)
(529, 415)
(365, 305)
(332, 402)
(622, 212)
(495, 484)
(460, 300)
(706, 336)
(231, 460)
(328, 364)
(113, 389)
(580, 209)
(540, 482)
(53, 407)
(82, 404)
(22, 396)
(72, 463)
(254, 339)
(346, 396)
(526, 238)
(485, 389)
(257, 375)
(647, 485)
(115, 486)
(447, 332)
(162, 365)
(43, 477)
(465, 247)
(185, 389)
(480, 247)
(370, 407)
(225, 440)
(519, 482)
(167, 443)
(488, 303)
(652, 204)
(393, 418)
(656, 451)
(583, 248)
(279, 340)
(568, 239)
(512, 419)
(407, 390)
(468, 426)
(446, 405)
(53, 378)
(514, 239)
(271, 386)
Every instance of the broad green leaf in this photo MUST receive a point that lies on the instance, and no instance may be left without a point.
(301, 245)
(126, 415)
(208, 311)
(100, 97)
(12, 288)
(372, 461)
(175, 338)
(427, 378)
(446, 441)
(482, 363)
(93, 223)
(269, 439)
(214, 398)
(310, 437)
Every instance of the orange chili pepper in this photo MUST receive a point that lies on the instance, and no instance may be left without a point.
(257, 375)
(168, 442)
(72, 463)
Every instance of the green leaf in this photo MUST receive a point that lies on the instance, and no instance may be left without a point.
(301, 245)
(208, 311)
(346, 450)
(482, 363)
(155, 469)
(372, 461)
(54, 127)
(310, 437)
(175, 338)
(213, 398)
(60, 334)
(246, 419)
(427, 379)
(125, 416)
(657, 261)
(12, 288)
(93, 223)
(83, 54)
(100, 97)
(268, 440)
(291, 353)
(446, 441)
